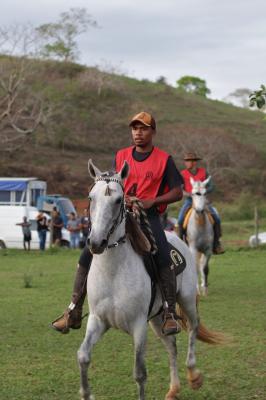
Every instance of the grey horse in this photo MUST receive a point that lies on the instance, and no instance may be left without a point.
(200, 232)
(119, 289)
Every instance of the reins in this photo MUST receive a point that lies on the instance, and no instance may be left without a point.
(139, 212)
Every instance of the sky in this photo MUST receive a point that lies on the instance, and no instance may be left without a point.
(223, 42)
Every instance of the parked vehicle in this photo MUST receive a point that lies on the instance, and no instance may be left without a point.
(64, 205)
(18, 199)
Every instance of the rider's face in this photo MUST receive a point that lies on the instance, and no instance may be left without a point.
(142, 135)
(190, 164)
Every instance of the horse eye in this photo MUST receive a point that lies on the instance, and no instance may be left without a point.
(118, 201)
(89, 198)
(198, 193)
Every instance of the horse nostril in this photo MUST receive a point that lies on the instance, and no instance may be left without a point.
(103, 243)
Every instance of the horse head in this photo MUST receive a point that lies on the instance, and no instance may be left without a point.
(107, 208)
(199, 194)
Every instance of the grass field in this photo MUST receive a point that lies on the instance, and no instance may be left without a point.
(38, 363)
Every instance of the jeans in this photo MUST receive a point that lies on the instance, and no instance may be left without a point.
(74, 240)
(188, 203)
(42, 238)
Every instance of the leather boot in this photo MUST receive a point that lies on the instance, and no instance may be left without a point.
(217, 247)
(168, 282)
(72, 316)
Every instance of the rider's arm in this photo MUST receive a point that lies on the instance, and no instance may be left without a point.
(174, 180)
(172, 196)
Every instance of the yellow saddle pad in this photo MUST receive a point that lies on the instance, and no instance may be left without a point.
(188, 214)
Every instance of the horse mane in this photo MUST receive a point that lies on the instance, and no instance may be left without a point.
(137, 238)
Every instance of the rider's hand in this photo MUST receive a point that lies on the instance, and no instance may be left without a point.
(148, 203)
(128, 200)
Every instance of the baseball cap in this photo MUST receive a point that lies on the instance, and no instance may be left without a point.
(145, 118)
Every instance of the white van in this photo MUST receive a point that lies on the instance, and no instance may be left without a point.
(18, 199)
(11, 235)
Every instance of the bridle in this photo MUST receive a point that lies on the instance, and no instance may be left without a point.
(122, 211)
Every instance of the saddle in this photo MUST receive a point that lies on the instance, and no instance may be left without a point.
(142, 246)
(188, 214)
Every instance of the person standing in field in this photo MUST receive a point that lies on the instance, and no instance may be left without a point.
(85, 225)
(58, 224)
(73, 226)
(26, 233)
(156, 182)
(42, 228)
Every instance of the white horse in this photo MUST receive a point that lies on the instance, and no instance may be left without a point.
(119, 289)
(200, 231)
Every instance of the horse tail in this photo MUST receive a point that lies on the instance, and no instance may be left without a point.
(204, 334)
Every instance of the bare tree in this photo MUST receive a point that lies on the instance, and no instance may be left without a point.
(21, 109)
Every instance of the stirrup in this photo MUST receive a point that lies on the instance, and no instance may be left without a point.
(65, 322)
(174, 327)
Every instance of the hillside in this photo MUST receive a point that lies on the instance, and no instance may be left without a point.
(87, 113)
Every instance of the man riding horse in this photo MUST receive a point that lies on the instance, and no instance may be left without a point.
(156, 182)
(198, 174)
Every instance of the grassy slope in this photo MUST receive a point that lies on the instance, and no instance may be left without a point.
(38, 363)
(86, 123)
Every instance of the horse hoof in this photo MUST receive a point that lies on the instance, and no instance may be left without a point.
(86, 396)
(173, 393)
(195, 379)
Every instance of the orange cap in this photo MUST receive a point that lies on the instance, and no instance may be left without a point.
(145, 118)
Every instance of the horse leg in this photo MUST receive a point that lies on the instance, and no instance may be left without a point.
(196, 256)
(204, 270)
(170, 345)
(194, 376)
(94, 331)
(140, 373)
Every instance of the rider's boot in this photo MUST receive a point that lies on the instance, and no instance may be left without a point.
(72, 316)
(217, 247)
(168, 281)
(181, 231)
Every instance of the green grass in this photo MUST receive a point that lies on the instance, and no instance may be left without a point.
(38, 363)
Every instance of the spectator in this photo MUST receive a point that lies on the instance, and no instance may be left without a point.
(42, 228)
(85, 225)
(57, 223)
(26, 232)
(73, 226)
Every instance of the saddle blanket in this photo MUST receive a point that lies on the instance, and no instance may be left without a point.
(188, 214)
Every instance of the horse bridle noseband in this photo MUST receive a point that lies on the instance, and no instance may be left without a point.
(121, 213)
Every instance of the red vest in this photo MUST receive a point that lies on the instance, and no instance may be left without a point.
(145, 177)
(200, 176)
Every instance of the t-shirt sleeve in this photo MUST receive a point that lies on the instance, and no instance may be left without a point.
(172, 177)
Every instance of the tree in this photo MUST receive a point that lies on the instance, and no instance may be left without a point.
(59, 38)
(21, 109)
(193, 84)
(258, 97)
(162, 80)
(240, 97)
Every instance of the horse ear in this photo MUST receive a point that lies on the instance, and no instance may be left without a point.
(192, 181)
(93, 170)
(124, 170)
(205, 183)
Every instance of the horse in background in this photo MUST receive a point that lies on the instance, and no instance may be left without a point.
(119, 290)
(199, 233)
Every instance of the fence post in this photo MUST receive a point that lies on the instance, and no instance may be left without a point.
(256, 219)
